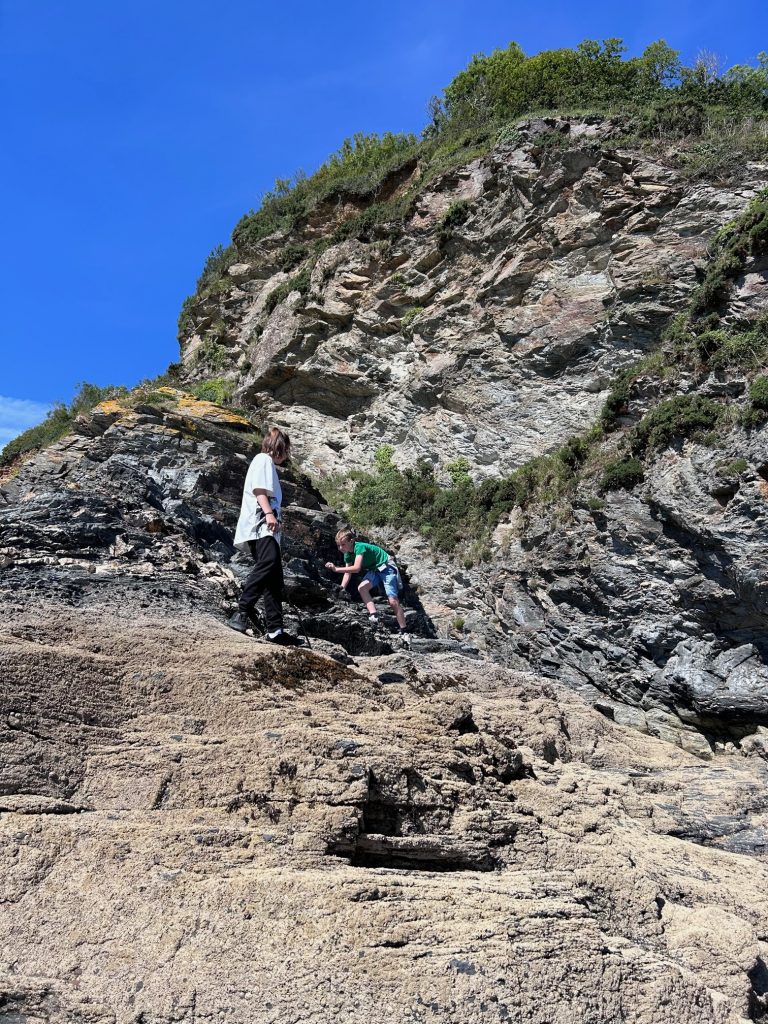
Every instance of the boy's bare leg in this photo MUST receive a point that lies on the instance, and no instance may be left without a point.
(365, 593)
(397, 609)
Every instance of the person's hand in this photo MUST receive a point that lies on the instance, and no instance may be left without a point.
(271, 526)
(329, 565)
(344, 594)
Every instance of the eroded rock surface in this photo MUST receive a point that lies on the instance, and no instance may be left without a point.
(196, 826)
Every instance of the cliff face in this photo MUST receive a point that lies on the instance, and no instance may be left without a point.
(492, 333)
(489, 326)
(196, 826)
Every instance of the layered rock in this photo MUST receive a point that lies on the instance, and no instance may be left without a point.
(489, 326)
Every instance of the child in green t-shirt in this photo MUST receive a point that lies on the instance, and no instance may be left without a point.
(379, 568)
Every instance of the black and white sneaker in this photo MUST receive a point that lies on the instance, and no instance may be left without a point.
(285, 640)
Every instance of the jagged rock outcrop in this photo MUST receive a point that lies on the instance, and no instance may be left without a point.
(494, 334)
(143, 500)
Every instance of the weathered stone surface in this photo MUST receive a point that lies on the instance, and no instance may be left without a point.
(197, 826)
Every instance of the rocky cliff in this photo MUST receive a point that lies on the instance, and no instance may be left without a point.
(552, 805)
(489, 324)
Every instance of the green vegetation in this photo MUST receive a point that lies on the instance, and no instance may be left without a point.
(697, 340)
(676, 418)
(299, 283)
(453, 217)
(211, 355)
(758, 392)
(622, 474)
(733, 468)
(58, 422)
(217, 390)
(357, 169)
(409, 316)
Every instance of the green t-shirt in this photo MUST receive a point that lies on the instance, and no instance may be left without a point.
(373, 556)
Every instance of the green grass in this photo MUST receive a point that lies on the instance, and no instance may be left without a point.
(758, 392)
(58, 422)
(217, 390)
(622, 474)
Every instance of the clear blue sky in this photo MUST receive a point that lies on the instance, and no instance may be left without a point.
(136, 133)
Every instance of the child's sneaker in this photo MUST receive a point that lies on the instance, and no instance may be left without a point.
(374, 619)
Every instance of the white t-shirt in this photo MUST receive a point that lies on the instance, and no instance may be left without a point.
(252, 525)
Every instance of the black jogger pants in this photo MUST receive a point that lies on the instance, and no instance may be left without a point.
(265, 579)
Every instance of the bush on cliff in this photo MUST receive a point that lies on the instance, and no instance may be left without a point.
(58, 422)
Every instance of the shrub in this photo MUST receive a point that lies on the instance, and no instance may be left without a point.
(621, 474)
(212, 355)
(746, 348)
(299, 283)
(455, 215)
(217, 263)
(758, 393)
(217, 389)
(678, 417)
(59, 421)
(734, 468)
(292, 255)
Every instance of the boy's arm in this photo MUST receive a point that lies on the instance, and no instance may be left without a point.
(348, 570)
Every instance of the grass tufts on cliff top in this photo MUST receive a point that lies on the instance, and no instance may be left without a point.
(713, 117)
(58, 422)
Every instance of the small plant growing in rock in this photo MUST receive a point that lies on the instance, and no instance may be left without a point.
(678, 417)
(458, 623)
(217, 390)
(292, 255)
(454, 216)
(622, 474)
(734, 468)
(409, 316)
(299, 283)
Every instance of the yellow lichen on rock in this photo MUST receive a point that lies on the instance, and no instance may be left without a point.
(197, 408)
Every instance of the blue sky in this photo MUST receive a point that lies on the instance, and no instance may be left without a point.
(136, 134)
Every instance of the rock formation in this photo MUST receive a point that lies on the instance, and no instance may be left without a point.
(199, 827)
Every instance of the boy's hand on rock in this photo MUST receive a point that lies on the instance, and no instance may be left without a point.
(329, 565)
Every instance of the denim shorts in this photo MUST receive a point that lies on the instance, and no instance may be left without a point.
(387, 576)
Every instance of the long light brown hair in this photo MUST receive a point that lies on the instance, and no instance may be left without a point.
(276, 443)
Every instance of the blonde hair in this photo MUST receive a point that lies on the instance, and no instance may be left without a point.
(345, 535)
(276, 443)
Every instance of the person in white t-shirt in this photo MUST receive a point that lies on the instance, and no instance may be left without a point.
(259, 530)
